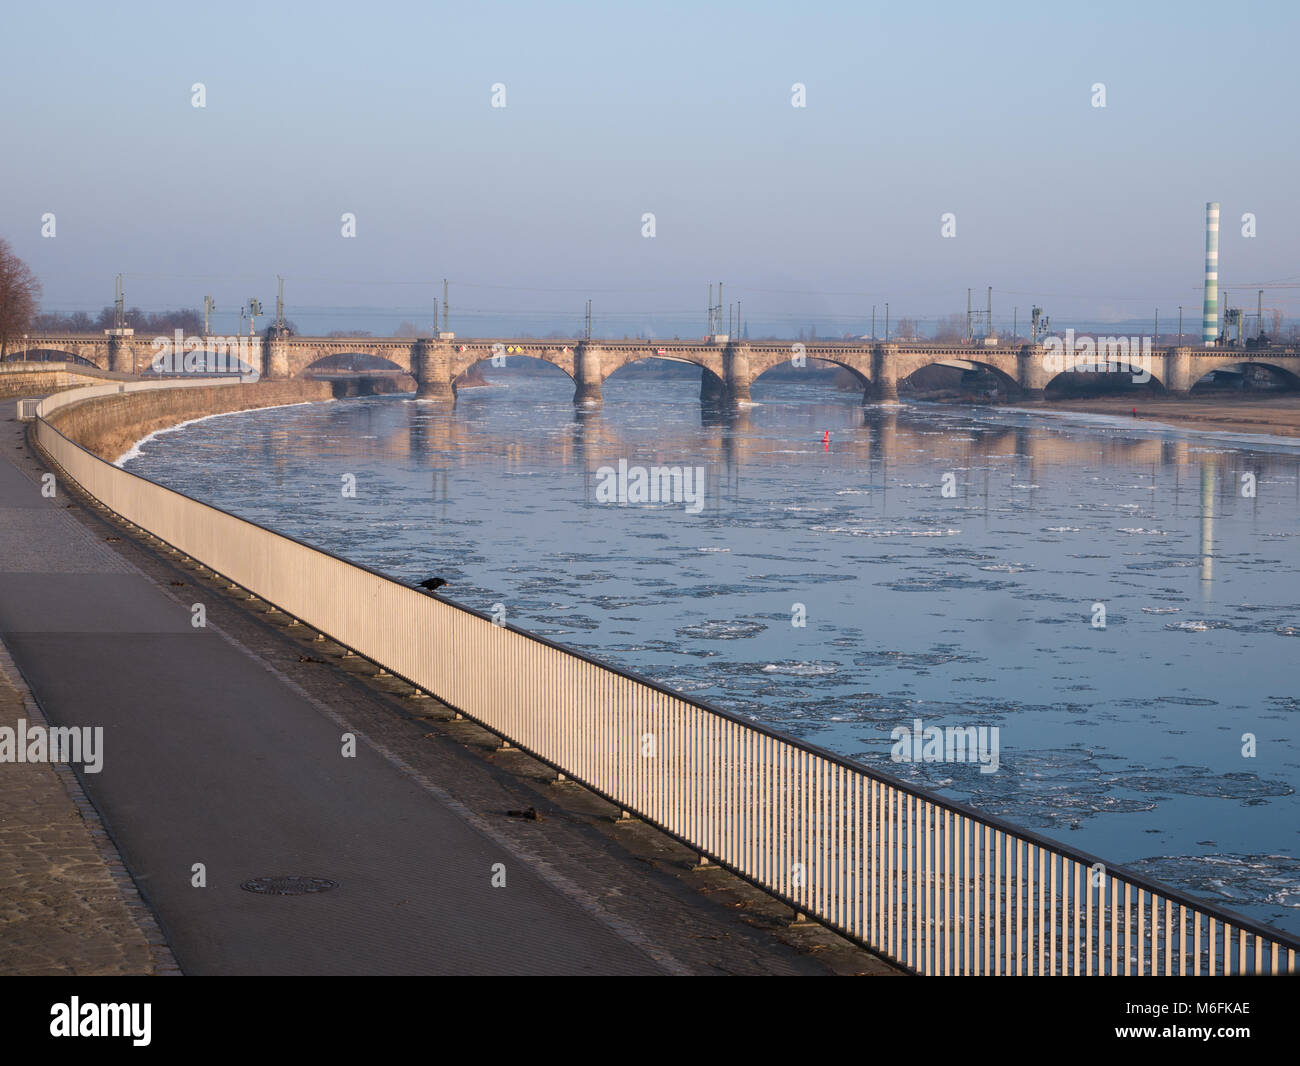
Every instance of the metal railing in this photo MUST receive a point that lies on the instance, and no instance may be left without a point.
(924, 881)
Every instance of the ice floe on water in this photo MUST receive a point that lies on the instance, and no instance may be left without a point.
(938, 656)
(860, 532)
(1199, 781)
(723, 629)
(801, 669)
(1055, 789)
(1270, 879)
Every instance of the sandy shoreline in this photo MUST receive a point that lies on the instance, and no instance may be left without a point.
(1278, 416)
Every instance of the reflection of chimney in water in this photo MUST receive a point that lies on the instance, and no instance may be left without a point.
(1207, 526)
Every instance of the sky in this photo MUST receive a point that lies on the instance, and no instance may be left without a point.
(809, 215)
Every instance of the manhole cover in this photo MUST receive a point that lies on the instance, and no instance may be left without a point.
(288, 886)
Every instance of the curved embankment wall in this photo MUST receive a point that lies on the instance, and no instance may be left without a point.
(26, 379)
(26, 382)
(109, 425)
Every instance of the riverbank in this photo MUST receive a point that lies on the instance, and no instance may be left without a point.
(1277, 416)
(110, 426)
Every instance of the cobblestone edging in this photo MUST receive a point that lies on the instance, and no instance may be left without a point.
(63, 949)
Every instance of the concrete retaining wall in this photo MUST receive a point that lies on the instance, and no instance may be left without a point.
(29, 384)
(108, 426)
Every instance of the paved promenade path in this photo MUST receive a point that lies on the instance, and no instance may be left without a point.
(215, 753)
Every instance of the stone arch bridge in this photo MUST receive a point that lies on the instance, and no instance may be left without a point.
(728, 369)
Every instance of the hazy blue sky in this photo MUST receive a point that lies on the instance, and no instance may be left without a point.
(913, 110)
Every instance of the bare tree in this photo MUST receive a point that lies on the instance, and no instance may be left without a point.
(54, 322)
(951, 328)
(20, 294)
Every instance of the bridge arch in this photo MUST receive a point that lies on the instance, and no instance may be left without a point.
(645, 361)
(1287, 376)
(358, 373)
(54, 355)
(712, 388)
(302, 354)
(1109, 371)
(1001, 375)
(784, 371)
(614, 360)
(476, 363)
(350, 362)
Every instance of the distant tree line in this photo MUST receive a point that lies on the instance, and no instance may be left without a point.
(187, 319)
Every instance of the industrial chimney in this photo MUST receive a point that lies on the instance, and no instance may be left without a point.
(1210, 322)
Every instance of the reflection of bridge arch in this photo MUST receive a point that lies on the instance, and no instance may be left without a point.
(1287, 376)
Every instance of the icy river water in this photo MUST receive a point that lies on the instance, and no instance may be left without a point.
(946, 563)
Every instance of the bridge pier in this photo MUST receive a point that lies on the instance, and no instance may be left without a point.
(1031, 375)
(121, 354)
(275, 359)
(736, 374)
(884, 372)
(586, 374)
(431, 368)
(713, 390)
(1178, 371)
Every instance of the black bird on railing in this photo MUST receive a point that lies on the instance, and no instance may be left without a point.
(432, 584)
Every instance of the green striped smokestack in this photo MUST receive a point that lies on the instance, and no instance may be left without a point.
(1210, 322)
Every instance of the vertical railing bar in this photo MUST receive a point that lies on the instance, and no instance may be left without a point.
(1080, 874)
(998, 910)
(949, 886)
(1169, 937)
